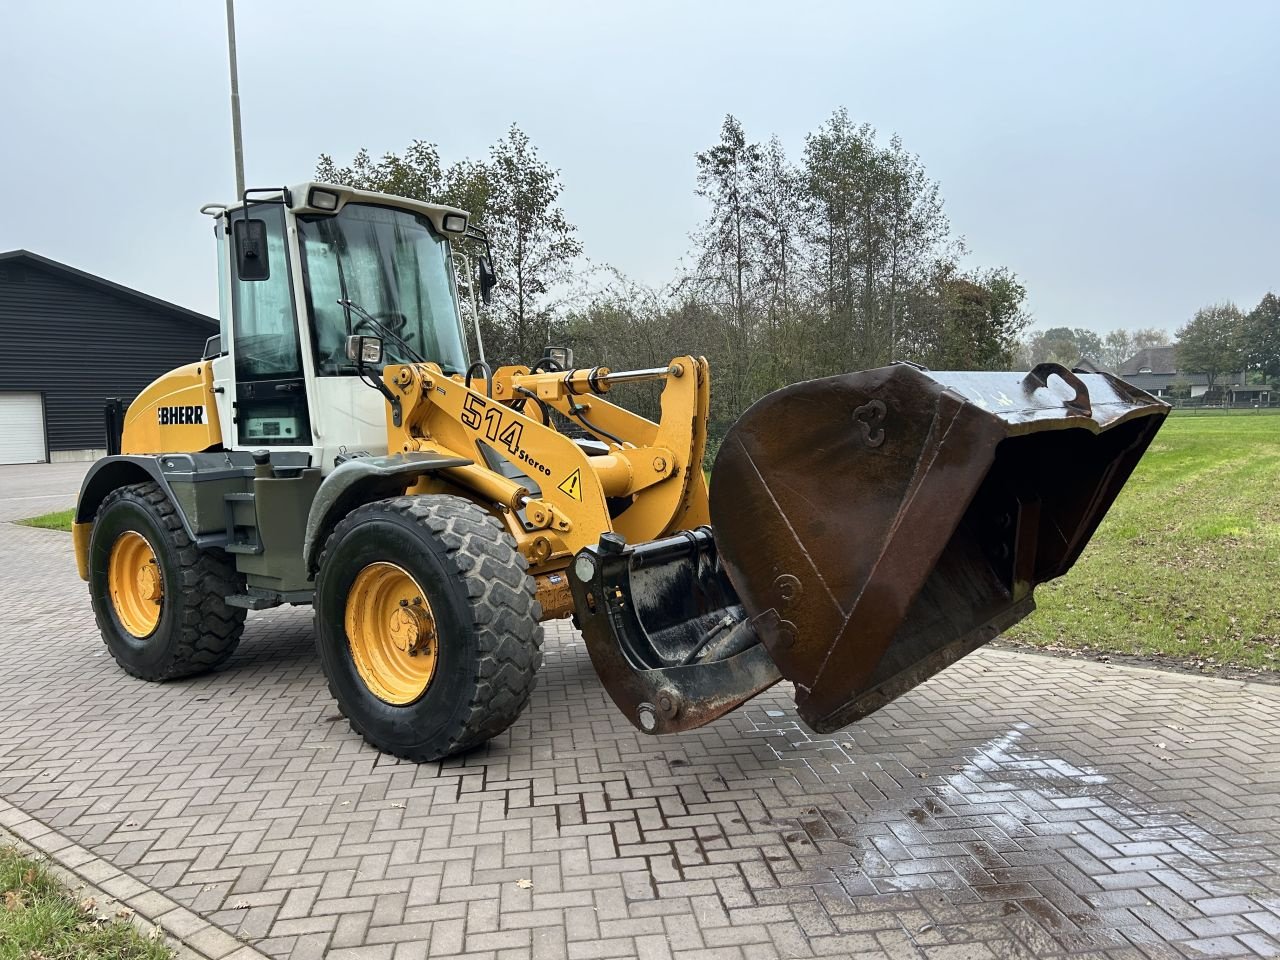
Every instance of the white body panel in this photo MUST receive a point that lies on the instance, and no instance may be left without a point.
(346, 413)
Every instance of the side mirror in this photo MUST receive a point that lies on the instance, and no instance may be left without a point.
(212, 347)
(488, 279)
(251, 249)
(363, 350)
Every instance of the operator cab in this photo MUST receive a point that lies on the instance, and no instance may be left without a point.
(301, 270)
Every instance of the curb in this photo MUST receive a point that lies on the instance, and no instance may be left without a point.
(189, 935)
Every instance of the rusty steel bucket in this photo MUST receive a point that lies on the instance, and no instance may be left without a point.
(868, 530)
(878, 526)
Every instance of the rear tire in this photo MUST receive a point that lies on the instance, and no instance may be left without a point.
(479, 598)
(190, 629)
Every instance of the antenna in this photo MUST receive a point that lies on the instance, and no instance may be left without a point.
(235, 99)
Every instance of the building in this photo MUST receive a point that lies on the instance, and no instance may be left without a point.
(71, 340)
(1155, 370)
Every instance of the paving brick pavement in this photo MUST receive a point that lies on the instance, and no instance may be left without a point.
(1015, 806)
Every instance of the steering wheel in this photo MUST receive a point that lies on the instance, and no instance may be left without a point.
(393, 320)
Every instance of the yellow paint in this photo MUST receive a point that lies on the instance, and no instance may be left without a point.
(163, 417)
(572, 485)
(659, 465)
(392, 633)
(135, 583)
(80, 534)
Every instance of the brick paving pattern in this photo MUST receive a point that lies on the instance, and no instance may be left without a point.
(1015, 806)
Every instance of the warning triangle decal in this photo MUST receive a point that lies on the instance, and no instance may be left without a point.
(572, 485)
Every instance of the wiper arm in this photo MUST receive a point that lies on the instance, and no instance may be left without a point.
(367, 317)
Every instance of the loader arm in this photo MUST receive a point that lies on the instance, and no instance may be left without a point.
(556, 496)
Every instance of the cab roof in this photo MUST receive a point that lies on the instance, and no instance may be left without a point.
(301, 199)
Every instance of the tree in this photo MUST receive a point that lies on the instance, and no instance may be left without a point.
(1117, 347)
(729, 175)
(1064, 345)
(1262, 337)
(535, 246)
(1212, 342)
(977, 319)
(1145, 337)
(877, 234)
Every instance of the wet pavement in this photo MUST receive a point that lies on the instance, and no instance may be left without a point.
(1015, 806)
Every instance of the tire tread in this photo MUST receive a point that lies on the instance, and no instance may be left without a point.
(209, 629)
(505, 614)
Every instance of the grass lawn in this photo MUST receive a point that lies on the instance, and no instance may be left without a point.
(58, 520)
(1186, 567)
(40, 918)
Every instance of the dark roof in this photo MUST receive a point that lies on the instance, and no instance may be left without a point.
(1088, 366)
(1158, 359)
(128, 293)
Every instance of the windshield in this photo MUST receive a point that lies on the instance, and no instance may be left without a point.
(392, 264)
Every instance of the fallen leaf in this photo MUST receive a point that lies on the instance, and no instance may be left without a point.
(524, 884)
(124, 913)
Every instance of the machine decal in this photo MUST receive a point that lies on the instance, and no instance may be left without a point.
(174, 416)
(572, 484)
(498, 429)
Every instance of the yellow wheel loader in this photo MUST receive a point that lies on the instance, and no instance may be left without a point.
(338, 446)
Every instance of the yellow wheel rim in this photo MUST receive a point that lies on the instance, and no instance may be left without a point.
(136, 583)
(392, 633)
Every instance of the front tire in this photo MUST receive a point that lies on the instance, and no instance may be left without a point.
(426, 625)
(160, 602)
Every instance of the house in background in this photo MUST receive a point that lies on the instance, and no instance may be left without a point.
(71, 340)
(1155, 370)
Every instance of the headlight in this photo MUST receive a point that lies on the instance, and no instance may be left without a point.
(322, 200)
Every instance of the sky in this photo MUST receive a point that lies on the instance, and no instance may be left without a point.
(1122, 158)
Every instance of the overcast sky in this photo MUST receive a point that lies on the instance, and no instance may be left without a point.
(1123, 159)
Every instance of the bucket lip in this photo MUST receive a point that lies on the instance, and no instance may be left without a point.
(1102, 419)
(1028, 403)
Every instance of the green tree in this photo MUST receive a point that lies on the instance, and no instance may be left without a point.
(1064, 345)
(417, 174)
(1262, 337)
(977, 319)
(877, 234)
(728, 178)
(1212, 342)
(535, 245)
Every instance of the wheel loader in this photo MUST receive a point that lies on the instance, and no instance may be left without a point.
(338, 446)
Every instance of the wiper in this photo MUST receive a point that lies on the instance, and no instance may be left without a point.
(369, 318)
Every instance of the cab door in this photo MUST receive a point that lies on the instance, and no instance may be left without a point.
(270, 394)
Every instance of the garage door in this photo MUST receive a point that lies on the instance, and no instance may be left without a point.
(21, 428)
